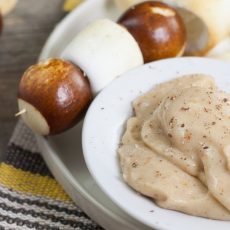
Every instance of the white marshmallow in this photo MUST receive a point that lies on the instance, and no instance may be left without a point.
(103, 50)
(33, 118)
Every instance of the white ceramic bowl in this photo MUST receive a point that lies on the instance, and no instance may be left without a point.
(104, 125)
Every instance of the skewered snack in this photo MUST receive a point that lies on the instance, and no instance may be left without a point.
(157, 28)
(53, 95)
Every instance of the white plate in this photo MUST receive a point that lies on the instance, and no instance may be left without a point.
(104, 125)
(63, 153)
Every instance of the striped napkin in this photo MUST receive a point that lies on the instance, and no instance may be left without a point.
(30, 197)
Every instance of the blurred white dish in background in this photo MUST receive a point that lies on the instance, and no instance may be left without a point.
(104, 125)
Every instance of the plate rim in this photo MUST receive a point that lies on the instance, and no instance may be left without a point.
(46, 148)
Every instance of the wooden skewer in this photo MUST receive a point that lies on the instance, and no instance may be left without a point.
(20, 113)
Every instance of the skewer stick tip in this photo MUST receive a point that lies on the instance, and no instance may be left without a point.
(20, 112)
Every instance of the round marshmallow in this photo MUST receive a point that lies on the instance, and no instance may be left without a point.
(103, 50)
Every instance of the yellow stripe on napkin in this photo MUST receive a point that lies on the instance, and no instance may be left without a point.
(71, 4)
(29, 183)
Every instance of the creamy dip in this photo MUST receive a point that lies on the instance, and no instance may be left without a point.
(176, 149)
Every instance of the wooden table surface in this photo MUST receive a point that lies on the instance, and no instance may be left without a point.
(26, 29)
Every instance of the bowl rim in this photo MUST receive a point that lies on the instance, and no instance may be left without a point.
(92, 115)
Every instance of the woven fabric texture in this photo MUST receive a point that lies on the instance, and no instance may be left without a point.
(30, 197)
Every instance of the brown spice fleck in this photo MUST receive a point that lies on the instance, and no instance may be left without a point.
(171, 122)
(158, 173)
(205, 110)
(204, 136)
(182, 125)
(225, 100)
(170, 135)
(134, 164)
(218, 107)
(184, 108)
(187, 136)
(120, 145)
(205, 147)
(172, 98)
(213, 123)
